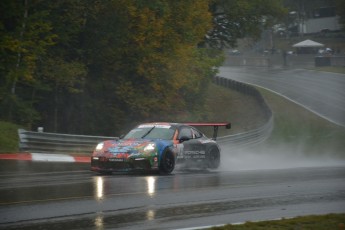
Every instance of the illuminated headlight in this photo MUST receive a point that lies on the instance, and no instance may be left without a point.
(100, 146)
(150, 147)
(95, 158)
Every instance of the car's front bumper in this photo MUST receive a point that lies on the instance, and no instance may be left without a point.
(103, 164)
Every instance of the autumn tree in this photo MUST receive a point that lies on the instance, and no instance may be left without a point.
(96, 67)
(148, 57)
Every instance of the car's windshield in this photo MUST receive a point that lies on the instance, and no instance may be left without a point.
(165, 132)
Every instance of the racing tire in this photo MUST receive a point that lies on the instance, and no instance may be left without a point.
(167, 163)
(213, 158)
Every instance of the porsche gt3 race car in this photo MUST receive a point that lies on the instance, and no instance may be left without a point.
(159, 147)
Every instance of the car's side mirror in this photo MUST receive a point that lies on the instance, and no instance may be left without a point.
(184, 138)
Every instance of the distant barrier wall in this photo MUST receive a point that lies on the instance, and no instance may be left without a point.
(247, 61)
(303, 60)
(330, 61)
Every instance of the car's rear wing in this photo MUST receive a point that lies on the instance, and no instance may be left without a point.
(214, 124)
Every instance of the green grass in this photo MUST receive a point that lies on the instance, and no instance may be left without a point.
(241, 110)
(297, 126)
(8, 137)
(225, 105)
(293, 125)
(314, 222)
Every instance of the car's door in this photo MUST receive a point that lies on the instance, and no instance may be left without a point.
(199, 146)
(191, 147)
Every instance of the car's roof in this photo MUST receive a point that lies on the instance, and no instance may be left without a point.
(226, 124)
(162, 124)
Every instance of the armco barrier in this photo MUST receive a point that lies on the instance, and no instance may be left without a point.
(246, 139)
(245, 89)
(41, 142)
(254, 136)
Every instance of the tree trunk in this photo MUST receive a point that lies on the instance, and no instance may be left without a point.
(19, 55)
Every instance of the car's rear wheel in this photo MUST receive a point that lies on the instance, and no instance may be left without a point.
(167, 163)
(213, 158)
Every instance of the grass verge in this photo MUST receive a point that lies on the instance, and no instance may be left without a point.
(241, 110)
(313, 222)
(296, 126)
(225, 105)
(8, 137)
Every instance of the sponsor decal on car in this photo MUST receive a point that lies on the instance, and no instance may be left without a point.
(194, 155)
(116, 159)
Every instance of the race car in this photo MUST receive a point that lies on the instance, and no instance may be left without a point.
(159, 147)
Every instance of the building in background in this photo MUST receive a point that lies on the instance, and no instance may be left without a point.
(323, 20)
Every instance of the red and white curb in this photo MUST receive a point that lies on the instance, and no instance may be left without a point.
(46, 157)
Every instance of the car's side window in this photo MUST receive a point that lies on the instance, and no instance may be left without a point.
(197, 134)
(186, 132)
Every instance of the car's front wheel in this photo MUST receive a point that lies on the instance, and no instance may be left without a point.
(167, 163)
(213, 158)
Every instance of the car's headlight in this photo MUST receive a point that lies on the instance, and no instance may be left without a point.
(100, 146)
(150, 147)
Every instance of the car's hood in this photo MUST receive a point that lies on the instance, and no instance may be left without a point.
(123, 148)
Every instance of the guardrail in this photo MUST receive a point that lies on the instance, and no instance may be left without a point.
(80, 144)
(58, 143)
(245, 89)
(246, 139)
(255, 136)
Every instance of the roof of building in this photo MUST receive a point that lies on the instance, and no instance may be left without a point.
(308, 43)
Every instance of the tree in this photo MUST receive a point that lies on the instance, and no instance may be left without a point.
(25, 36)
(340, 6)
(147, 57)
(63, 71)
(239, 18)
(92, 67)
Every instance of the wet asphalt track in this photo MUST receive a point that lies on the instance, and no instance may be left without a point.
(69, 196)
(320, 92)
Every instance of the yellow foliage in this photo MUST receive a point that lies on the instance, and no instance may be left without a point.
(166, 42)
